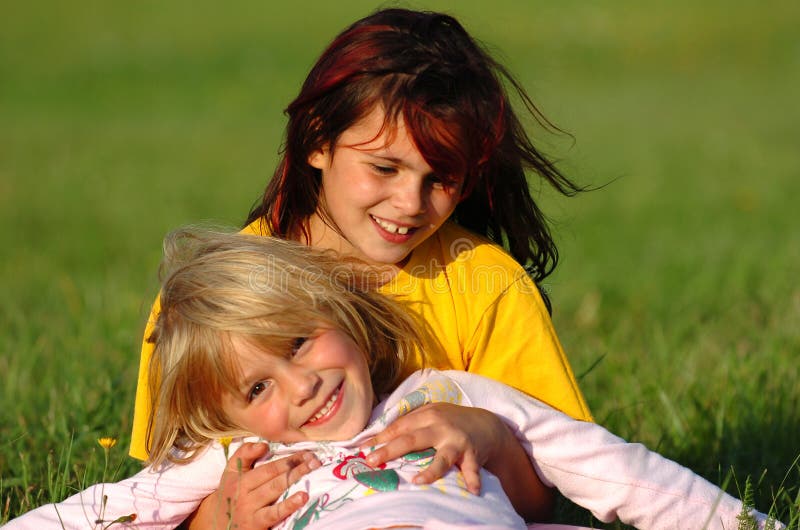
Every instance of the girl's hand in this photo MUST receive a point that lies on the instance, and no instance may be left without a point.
(469, 438)
(246, 493)
(462, 436)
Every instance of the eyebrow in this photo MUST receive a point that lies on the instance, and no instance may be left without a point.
(247, 382)
(244, 391)
(392, 159)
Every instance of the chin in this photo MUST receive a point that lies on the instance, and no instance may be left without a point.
(387, 259)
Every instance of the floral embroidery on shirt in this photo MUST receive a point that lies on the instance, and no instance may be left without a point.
(345, 474)
(309, 515)
(421, 458)
(379, 480)
(434, 391)
(353, 465)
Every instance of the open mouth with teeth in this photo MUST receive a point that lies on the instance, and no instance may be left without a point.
(393, 228)
(327, 410)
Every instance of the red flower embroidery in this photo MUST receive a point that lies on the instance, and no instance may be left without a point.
(353, 465)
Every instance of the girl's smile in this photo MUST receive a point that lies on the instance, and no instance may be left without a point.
(321, 390)
(328, 410)
(382, 196)
(392, 231)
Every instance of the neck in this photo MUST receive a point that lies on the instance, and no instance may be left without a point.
(324, 234)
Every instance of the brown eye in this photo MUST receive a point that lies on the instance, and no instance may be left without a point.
(383, 170)
(256, 390)
(443, 182)
(297, 344)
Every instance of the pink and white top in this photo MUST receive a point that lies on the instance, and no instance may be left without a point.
(590, 466)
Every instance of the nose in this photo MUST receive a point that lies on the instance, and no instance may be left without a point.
(302, 384)
(408, 195)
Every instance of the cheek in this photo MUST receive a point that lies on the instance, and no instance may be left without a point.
(362, 371)
(231, 410)
(444, 202)
(348, 179)
(365, 189)
(266, 420)
(345, 199)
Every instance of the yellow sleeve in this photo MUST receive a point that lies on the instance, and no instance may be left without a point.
(141, 410)
(515, 343)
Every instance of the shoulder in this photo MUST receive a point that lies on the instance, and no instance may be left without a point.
(459, 387)
(479, 264)
(418, 380)
(461, 246)
(256, 228)
(429, 385)
(458, 275)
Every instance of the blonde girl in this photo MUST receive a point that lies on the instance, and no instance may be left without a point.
(221, 291)
(259, 336)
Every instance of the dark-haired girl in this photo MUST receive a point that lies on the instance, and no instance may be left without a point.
(403, 150)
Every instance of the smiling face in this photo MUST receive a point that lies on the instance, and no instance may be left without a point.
(320, 390)
(380, 193)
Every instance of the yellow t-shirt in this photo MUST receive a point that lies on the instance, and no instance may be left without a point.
(484, 310)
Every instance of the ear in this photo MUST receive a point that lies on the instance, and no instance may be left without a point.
(320, 158)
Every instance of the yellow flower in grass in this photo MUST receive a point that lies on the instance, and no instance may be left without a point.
(107, 442)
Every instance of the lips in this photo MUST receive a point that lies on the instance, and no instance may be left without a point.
(393, 232)
(328, 410)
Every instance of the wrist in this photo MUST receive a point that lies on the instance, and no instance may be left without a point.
(506, 444)
(203, 517)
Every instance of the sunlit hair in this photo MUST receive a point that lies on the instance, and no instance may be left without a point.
(271, 292)
(425, 69)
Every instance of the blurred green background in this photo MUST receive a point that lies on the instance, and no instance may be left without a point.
(677, 297)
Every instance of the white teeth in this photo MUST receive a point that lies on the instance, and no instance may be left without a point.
(326, 408)
(391, 227)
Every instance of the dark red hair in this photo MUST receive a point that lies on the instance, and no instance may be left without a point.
(426, 69)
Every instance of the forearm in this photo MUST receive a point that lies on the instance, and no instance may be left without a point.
(626, 481)
(601, 472)
(203, 517)
(154, 500)
(532, 500)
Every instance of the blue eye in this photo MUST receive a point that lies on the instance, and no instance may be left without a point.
(257, 390)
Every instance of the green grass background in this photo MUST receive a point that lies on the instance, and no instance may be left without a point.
(677, 298)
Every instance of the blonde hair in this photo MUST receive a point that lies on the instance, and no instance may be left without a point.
(270, 291)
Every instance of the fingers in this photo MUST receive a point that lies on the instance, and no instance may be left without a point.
(270, 483)
(249, 490)
(471, 471)
(444, 459)
(391, 431)
(269, 480)
(416, 431)
(245, 456)
(463, 437)
(292, 464)
(400, 446)
(440, 438)
(270, 516)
